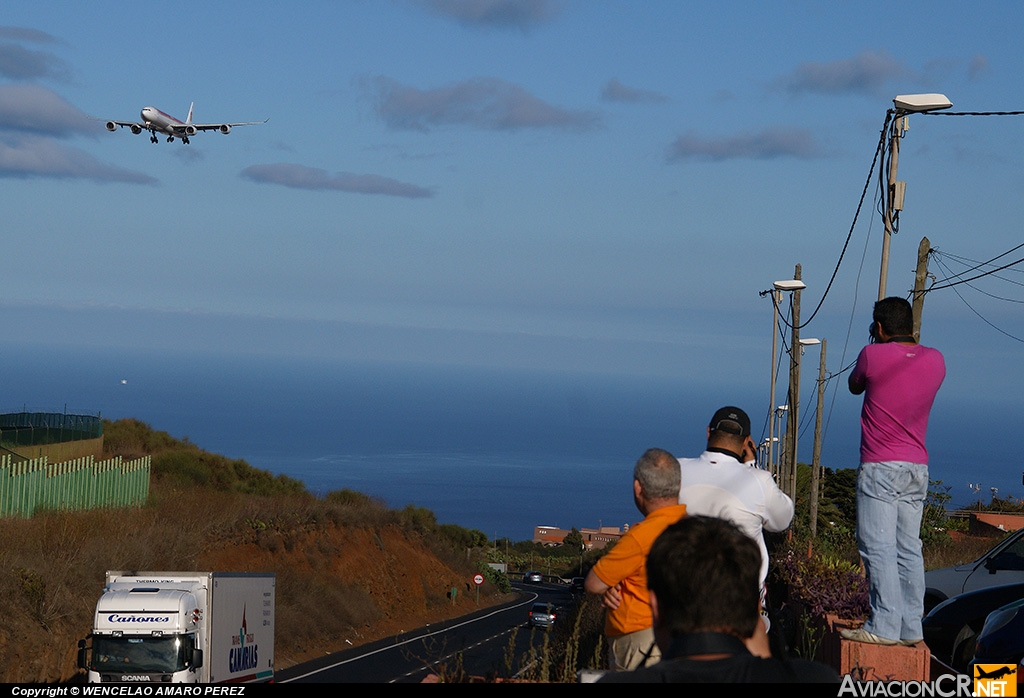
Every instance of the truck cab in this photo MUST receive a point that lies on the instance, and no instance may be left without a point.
(147, 634)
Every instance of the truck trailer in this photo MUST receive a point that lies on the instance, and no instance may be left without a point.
(182, 627)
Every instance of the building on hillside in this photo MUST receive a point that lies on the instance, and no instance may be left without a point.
(593, 538)
(983, 523)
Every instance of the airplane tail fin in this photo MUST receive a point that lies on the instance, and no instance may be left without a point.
(189, 119)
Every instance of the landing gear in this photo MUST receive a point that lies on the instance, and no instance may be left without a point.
(184, 139)
(152, 137)
(170, 139)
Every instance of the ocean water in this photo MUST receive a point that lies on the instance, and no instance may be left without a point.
(497, 450)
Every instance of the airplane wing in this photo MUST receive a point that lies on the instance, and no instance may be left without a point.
(135, 127)
(223, 128)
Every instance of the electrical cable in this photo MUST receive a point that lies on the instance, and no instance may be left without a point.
(938, 257)
(867, 183)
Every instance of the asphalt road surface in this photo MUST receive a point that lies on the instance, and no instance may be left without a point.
(488, 642)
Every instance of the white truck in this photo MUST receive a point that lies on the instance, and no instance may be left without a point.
(182, 627)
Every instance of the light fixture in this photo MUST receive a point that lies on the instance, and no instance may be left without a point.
(789, 285)
(922, 102)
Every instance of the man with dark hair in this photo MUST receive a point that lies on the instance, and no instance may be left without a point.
(722, 482)
(704, 589)
(620, 576)
(899, 379)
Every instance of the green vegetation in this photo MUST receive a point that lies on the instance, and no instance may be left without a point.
(182, 463)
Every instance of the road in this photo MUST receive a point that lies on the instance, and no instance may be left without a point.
(481, 641)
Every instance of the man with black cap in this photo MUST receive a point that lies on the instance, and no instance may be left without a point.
(723, 482)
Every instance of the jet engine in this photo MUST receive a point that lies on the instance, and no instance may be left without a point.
(190, 130)
(135, 128)
(111, 126)
(224, 128)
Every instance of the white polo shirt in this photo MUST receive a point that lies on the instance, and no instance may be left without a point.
(718, 485)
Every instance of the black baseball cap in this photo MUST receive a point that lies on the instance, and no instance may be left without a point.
(731, 420)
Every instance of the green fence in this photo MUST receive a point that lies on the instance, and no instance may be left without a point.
(42, 428)
(76, 484)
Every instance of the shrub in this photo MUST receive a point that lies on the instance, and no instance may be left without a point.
(824, 584)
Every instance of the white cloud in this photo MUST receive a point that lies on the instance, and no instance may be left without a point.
(488, 103)
(501, 14)
(765, 145)
(35, 109)
(302, 177)
(615, 91)
(866, 73)
(43, 157)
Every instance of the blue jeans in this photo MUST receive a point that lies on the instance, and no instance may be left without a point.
(890, 500)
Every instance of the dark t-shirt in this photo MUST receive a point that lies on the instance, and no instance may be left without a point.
(741, 667)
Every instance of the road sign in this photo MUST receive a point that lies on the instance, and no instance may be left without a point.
(478, 579)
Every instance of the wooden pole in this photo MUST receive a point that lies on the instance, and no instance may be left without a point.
(792, 421)
(920, 278)
(816, 459)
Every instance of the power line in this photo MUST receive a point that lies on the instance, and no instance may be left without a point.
(966, 260)
(973, 278)
(971, 113)
(856, 216)
(938, 256)
(979, 265)
(973, 310)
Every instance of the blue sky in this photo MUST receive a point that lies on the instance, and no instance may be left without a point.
(600, 186)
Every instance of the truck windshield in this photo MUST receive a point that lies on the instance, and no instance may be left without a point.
(145, 653)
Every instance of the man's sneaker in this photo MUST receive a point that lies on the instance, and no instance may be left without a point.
(910, 643)
(862, 635)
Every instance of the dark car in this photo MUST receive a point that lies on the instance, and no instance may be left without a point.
(1001, 640)
(533, 577)
(1003, 564)
(577, 585)
(542, 615)
(951, 629)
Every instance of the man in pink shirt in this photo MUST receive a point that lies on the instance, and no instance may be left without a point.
(899, 379)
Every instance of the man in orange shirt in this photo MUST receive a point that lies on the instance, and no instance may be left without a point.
(621, 575)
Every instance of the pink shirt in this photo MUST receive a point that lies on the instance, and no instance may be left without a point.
(900, 384)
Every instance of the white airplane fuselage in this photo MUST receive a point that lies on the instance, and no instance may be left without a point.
(165, 123)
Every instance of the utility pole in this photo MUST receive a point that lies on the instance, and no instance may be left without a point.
(920, 277)
(816, 459)
(902, 105)
(776, 299)
(893, 197)
(792, 422)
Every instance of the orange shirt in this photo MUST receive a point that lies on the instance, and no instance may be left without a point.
(626, 563)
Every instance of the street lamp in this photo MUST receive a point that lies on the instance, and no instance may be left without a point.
(902, 105)
(816, 457)
(794, 425)
(809, 342)
(777, 414)
(777, 288)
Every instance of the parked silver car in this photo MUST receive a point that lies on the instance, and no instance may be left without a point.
(1003, 564)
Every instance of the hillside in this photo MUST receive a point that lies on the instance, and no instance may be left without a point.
(349, 570)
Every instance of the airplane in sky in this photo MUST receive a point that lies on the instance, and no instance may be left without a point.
(154, 121)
